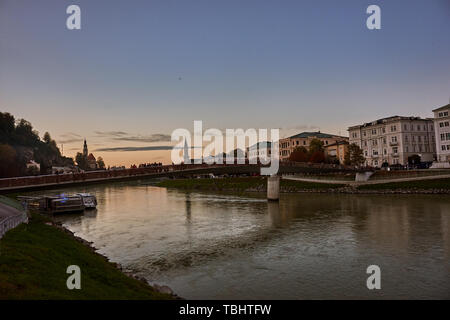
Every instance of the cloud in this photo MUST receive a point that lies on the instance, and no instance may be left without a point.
(124, 136)
(69, 137)
(158, 137)
(108, 134)
(147, 148)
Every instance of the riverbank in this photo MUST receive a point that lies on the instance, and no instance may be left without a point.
(259, 184)
(34, 259)
(244, 184)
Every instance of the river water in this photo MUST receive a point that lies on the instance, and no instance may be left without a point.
(307, 246)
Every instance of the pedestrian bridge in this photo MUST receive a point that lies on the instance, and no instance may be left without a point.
(170, 171)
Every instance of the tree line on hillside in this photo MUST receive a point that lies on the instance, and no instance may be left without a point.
(316, 154)
(20, 143)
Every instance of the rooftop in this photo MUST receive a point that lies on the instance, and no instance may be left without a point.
(442, 108)
(259, 145)
(316, 134)
(389, 119)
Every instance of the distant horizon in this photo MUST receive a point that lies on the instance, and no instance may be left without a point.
(153, 152)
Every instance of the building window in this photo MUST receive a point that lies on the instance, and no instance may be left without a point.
(394, 150)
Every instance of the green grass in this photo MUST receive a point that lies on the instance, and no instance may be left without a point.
(410, 185)
(34, 258)
(242, 184)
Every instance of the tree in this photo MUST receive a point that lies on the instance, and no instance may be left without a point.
(317, 157)
(7, 160)
(100, 163)
(300, 154)
(354, 155)
(7, 127)
(27, 144)
(315, 145)
(81, 161)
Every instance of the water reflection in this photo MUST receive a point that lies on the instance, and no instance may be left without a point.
(207, 245)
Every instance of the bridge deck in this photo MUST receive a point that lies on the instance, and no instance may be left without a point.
(47, 181)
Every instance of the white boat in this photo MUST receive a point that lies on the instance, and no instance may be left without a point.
(89, 200)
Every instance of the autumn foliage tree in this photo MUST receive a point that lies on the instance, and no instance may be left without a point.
(315, 153)
(300, 154)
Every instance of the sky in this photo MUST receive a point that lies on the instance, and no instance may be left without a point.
(138, 69)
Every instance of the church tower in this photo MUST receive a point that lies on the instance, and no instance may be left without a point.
(85, 149)
(186, 153)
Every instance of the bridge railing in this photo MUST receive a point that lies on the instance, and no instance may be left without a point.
(17, 182)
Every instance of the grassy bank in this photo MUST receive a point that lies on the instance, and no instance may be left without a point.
(432, 184)
(243, 184)
(34, 258)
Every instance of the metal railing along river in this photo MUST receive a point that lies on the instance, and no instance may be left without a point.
(10, 222)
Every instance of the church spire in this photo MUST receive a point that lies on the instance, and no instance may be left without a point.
(186, 153)
(85, 149)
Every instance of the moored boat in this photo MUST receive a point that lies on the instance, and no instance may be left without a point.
(60, 203)
(89, 200)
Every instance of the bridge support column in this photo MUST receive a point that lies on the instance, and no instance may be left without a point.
(273, 188)
(363, 176)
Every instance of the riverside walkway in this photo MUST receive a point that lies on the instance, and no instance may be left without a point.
(375, 181)
(10, 217)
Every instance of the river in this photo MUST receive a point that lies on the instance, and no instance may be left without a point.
(307, 246)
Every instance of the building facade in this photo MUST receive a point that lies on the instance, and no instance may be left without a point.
(392, 140)
(261, 151)
(288, 145)
(337, 150)
(442, 132)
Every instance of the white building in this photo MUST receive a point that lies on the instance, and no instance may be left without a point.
(260, 151)
(392, 140)
(442, 131)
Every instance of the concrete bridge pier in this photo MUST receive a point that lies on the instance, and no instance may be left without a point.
(273, 188)
(363, 176)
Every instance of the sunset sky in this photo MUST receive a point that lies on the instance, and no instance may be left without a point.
(137, 70)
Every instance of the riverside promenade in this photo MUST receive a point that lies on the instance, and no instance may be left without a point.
(10, 217)
(377, 181)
